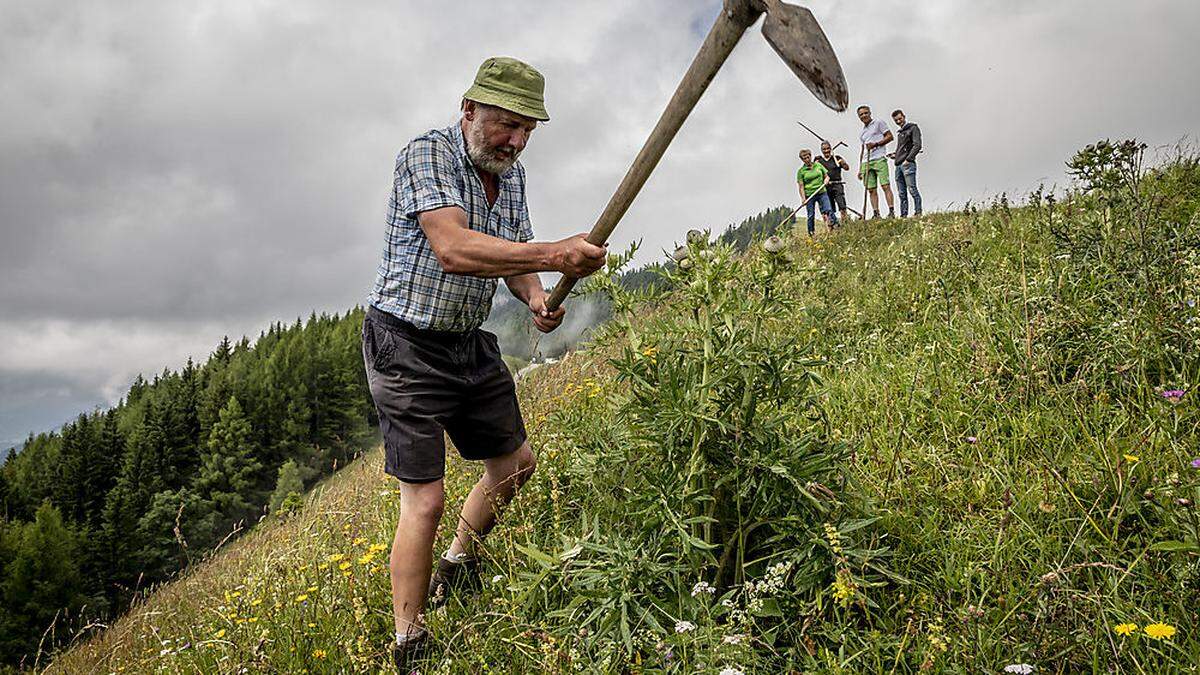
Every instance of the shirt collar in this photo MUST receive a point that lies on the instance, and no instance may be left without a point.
(460, 141)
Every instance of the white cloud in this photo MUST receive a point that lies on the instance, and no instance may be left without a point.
(173, 172)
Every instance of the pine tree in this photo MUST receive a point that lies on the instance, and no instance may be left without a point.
(227, 481)
(41, 581)
(288, 487)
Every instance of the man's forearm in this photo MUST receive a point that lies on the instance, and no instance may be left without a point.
(477, 254)
(525, 287)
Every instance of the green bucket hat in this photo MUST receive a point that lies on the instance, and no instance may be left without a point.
(512, 85)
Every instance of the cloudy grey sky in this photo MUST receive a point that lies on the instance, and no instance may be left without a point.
(174, 172)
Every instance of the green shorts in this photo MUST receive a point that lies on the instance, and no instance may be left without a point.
(877, 173)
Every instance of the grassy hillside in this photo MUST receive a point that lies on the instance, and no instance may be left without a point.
(951, 444)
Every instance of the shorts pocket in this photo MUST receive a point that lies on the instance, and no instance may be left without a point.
(383, 346)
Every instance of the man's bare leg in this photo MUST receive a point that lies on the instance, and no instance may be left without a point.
(421, 506)
(502, 477)
(874, 193)
(887, 194)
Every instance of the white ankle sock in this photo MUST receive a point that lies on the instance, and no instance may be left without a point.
(457, 558)
(409, 636)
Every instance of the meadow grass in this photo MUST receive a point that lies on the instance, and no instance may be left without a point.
(1009, 485)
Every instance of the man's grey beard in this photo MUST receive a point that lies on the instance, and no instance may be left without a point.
(487, 158)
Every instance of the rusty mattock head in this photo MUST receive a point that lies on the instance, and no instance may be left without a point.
(795, 35)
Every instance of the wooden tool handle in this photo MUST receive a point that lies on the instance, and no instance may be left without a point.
(720, 41)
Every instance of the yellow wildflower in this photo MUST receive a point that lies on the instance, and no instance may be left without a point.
(253, 619)
(256, 602)
(1160, 631)
(302, 597)
(366, 559)
(336, 557)
(318, 653)
(219, 634)
(1125, 629)
(378, 548)
(344, 566)
(1132, 458)
(312, 625)
(359, 541)
(312, 589)
(323, 566)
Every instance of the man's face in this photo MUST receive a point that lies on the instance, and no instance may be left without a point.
(495, 136)
(898, 118)
(806, 156)
(826, 151)
(864, 114)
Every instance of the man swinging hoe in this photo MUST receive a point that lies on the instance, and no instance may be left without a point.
(457, 221)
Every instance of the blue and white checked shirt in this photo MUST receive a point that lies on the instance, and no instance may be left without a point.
(432, 172)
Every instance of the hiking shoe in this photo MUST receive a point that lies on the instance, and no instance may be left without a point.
(451, 576)
(406, 654)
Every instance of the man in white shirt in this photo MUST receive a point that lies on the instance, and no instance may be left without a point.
(874, 172)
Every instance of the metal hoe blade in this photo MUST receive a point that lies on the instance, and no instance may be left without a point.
(796, 36)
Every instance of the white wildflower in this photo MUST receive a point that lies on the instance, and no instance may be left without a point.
(727, 670)
(733, 639)
(1020, 668)
(684, 626)
(498, 578)
(702, 587)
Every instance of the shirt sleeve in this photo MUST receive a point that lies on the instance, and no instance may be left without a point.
(916, 142)
(525, 232)
(427, 178)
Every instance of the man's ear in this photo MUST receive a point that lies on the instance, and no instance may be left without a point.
(469, 110)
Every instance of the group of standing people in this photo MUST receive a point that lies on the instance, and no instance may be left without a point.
(820, 179)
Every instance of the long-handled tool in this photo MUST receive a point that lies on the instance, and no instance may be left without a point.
(819, 137)
(794, 34)
(793, 213)
(862, 171)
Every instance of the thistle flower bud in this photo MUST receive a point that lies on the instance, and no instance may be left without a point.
(680, 254)
(706, 254)
(696, 237)
(685, 263)
(773, 245)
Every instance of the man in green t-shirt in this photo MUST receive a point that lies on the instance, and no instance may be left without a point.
(812, 178)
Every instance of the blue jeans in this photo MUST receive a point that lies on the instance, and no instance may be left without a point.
(821, 199)
(906, 182)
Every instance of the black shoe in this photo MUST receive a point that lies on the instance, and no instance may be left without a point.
(891, 213)
(406, 654)
(452, 576)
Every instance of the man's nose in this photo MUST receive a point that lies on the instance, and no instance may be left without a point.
(518, 139)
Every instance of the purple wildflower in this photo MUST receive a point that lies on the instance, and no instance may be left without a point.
(972, 439)
(1196, 463)
(1173, 395)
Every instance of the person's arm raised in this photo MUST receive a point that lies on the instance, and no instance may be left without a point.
(464, 251)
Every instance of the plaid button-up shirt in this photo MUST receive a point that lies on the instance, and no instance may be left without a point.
(434, 171)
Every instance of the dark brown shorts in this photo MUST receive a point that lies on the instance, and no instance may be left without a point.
(425, 382)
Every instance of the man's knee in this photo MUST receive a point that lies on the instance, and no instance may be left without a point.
(517, 467)
(423, 501)
(526, 462)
